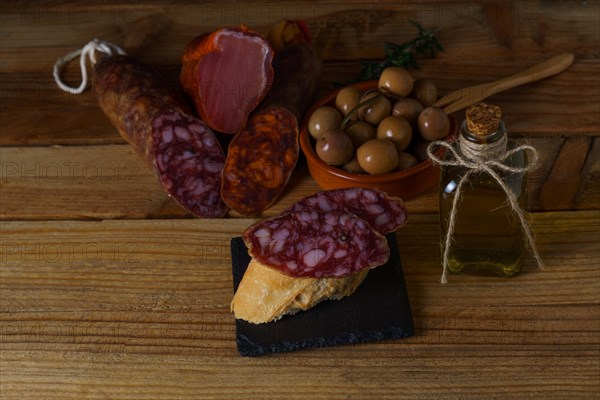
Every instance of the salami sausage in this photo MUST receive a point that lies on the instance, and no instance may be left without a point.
(262, 157)
(180, 148)
(227, 73)
(317, 245)
(385, 214)
(260, 161)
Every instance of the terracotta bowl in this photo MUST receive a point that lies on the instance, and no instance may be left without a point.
(405, 184)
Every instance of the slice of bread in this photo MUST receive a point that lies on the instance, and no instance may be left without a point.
(265, 295)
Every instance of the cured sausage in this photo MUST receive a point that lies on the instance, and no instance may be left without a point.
(260, 161)
(179, 147)
(262, 157)
(227, 73)
(317, 245)
(385, 214)
(297, 71)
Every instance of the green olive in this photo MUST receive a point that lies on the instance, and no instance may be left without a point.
(373, 113)
(396, 80)
(347, 99)
(433, 123)
(322, 120)
(425, 92)
(360, 132)
(353, 167)
(377, 156)
(397, 130)
(335, 147)
(409, 109)
(406, 160)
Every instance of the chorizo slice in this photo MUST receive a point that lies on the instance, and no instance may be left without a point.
(317, 245)
(384, 213)
(260, 161)
(227, 73)
(180, 148)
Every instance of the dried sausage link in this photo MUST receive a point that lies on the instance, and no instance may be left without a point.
(180, 148)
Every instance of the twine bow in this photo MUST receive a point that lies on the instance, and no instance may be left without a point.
(87, 52)
(487, 158)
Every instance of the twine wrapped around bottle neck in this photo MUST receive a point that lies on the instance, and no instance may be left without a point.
(488, 158)
(483, 151)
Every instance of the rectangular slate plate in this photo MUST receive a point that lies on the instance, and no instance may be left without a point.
(377, 310)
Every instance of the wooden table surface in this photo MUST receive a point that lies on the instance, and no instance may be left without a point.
(110, 290)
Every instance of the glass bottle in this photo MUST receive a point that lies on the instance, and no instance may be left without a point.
(487, 238)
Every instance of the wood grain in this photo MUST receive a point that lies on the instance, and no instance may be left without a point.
(157, 32)
(108, 289)
(561, 187)
(590, 188)
(59, 118)
(483, 43)
(104, 182)
(85, 316)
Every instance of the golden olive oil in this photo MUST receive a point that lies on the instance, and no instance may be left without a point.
(487, 238)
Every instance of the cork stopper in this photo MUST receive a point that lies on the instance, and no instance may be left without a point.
(483, 119)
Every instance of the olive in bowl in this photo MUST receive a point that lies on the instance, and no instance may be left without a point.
(322, 120)
(335, 147)
(433, 123)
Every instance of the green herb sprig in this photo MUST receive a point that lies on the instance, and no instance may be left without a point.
(402, 55)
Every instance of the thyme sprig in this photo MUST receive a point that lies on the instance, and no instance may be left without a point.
(402, 55)
(366, 102)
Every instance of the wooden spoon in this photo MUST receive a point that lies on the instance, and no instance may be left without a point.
(463, 98)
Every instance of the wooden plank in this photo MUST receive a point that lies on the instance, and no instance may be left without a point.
(590, 187)
(104, 182)
(101, 182)
(563, 182)
(450, 373)
(78, 322)
(62, 118)
(342, 30)
(77, 182)
(134, 261)
(505, 38)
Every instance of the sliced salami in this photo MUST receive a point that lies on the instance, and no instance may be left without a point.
(189, 161)
(385, 214)
(317, 245)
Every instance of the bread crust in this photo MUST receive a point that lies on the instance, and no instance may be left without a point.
(265, 294)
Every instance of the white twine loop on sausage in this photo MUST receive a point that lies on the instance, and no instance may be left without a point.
(87, 52)
(485, 158)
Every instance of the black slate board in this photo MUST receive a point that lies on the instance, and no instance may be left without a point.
(377, 310)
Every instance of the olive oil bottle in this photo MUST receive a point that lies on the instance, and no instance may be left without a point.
(487, 236)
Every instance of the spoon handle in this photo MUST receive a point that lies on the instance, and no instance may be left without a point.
(465, 97)
(538, 72)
